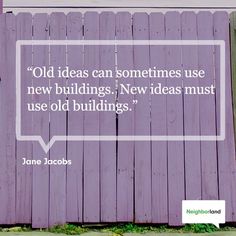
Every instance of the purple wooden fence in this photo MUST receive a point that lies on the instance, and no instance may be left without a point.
(141, 182)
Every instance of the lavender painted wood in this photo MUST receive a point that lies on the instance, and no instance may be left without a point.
(24, 149)
(91, 126)
(125, 155)
(87, 190)
(226, 148)
(158, 125)
(7, 127)
(74, 191)
(143, 212)
(40, 124)
(174, 124)
(191, 110)
(207, 109)
(107, 122)
(233, 57)
(57, 203)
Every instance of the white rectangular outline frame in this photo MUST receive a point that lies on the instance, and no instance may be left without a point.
(46, 147)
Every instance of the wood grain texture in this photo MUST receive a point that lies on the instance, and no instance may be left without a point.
(40, 124)
(143, 212)
(57, 204)
(107, 121)
(191, 110)
(207, 109)
(74, 190)
(233, 61)
(158, 124)
(125, 154)
(91, 126)
(125, 181)
(7, 127)
(175, 124)
(225, 148)
(233, 89)
(24, 149)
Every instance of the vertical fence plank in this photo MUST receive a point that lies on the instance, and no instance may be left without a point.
(40, 188)
(207, 109)
(191, 109)
(174, 123)
(226, 148)
(24, 149)
(75, 125)
(107, 122)
(233, 62)
(158, 125)
(7, 119)
(142, 124)
(233, 79)
(91, 125)
(57, 206)
(125, 155)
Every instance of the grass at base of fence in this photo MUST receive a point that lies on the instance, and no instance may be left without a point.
(120, 229)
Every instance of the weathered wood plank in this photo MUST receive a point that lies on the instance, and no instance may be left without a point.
(24, 149)
(107, 122)
(191, 110)
(174, 123)
(226, 148)
(158, 125)
(7, 119)
(40, 188)
(57, 205)
(125, 155)
(207, 109)
(143, 212)
(91, 125)
(74, 192)
(233, 61)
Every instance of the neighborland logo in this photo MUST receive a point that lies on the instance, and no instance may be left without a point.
(203, 211)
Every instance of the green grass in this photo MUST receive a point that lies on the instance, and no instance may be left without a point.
(200, 228)
(134, 228)
(68, 229)
(120, 229)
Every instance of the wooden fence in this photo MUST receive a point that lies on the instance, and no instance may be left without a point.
(142, 181)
